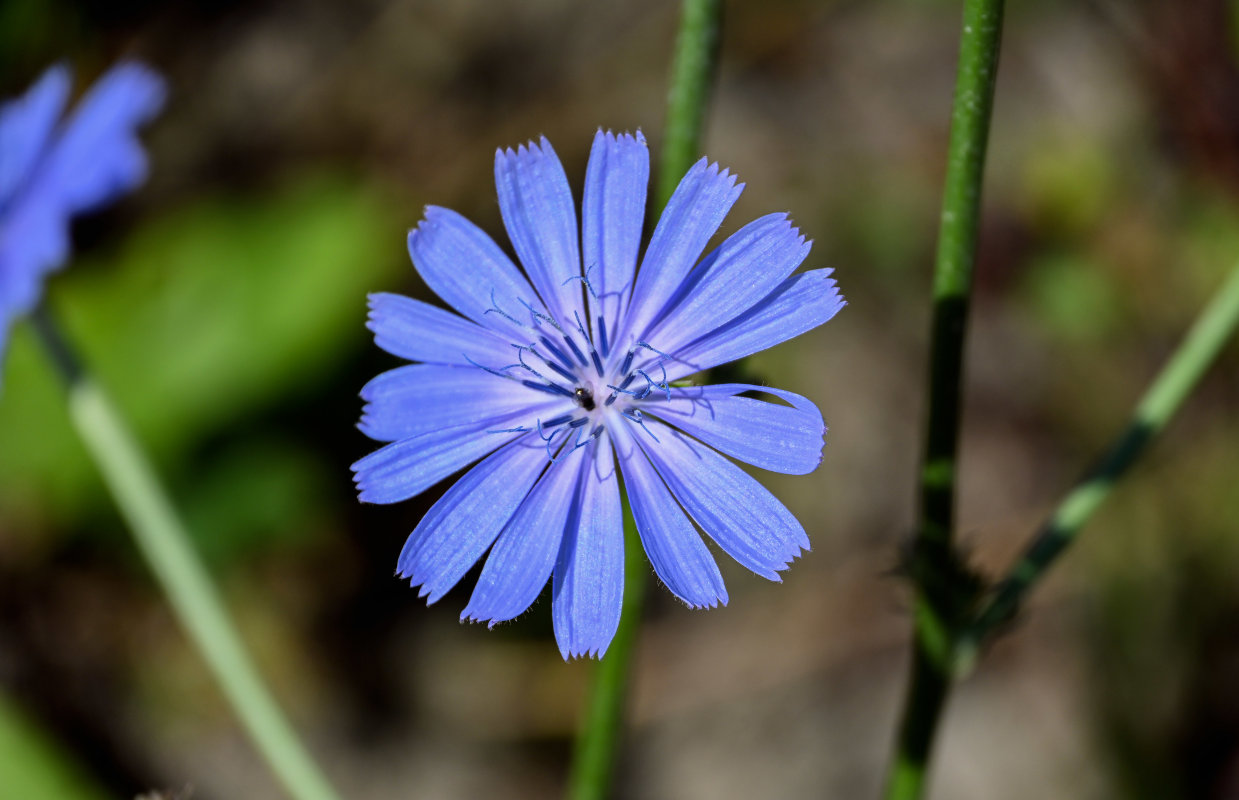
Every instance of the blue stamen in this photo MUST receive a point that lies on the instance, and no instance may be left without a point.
(593, 354)
(627, 362)
(576, 351)
(577, 443)
(585, 280)
(492, 370)
(568, 376)
(602, 336)
(549, 388)
(548, 440)
(520, 354)
(620, 389)
(634, 415)
(578, 422)
(564, 361)
(655, 349)
(560, 420)
(538, 315)
(494, 307)
(652, 384)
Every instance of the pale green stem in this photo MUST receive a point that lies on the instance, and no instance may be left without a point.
(1210, 332)
(166, 546)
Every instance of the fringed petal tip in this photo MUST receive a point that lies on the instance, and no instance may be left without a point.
(625, 137)
(530, 149)
(593, 653)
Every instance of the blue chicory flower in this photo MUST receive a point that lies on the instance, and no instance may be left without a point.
(554, 380)
(52, 168)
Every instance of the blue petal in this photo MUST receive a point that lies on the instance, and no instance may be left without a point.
(465, 267)
(772, 436)
(737, 512)
(680, 558)
(612, 214)
(94, 156)
(34, 240)
(419, 398)
(418, 331)
(692, 216)
(801, 303)
(26, 125)
(738, 274)
(407, 468)
(520, 562)
(588, 589)
(464, 522)
(98, 155)
(540, 217)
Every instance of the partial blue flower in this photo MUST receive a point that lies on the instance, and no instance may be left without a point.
(565, 379)
(53, 166)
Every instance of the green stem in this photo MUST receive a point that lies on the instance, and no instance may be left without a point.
(165, 544)
(942, 590)
(593, 763)
(692, 73)
(1211, 330)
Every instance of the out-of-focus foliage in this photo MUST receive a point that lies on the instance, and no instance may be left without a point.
(200, 315)
(223, 305)
(32, 768)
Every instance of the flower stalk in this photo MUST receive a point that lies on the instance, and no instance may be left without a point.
(593, 761)
(165, 544)
(692, 74)
(1209, 333)
(943, 590)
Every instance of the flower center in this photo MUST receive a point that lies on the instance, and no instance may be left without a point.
(565, 363)
(584, 398)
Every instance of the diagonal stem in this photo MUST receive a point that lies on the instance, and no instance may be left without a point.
(1208, 334)
(165, 544)
(942, 589)
(692, 73)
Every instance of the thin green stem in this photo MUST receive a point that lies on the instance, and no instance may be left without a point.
(943, 590)
(692, 77)
(692, 74)
(166, 546)
(1208, 334)
(593, 763)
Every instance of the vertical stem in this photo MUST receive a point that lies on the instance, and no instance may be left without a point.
(165, 544)
(941, 588)
(692, 75)
(692, 72)
(593, 762)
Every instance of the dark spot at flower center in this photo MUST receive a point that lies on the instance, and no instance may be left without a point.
(584, 398)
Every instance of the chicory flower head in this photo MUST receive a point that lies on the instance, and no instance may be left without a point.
(568, 378)
(52, 167)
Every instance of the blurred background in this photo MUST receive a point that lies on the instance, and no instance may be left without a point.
(224, 304)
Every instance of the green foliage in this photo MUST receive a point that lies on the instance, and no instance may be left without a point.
(32, 768)
(206, 313)
(1071, 296)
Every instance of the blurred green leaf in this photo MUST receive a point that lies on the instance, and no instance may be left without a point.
(1071, 296)
(256, 494)
(32, 768)
(1069, 188)
(205, 313)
